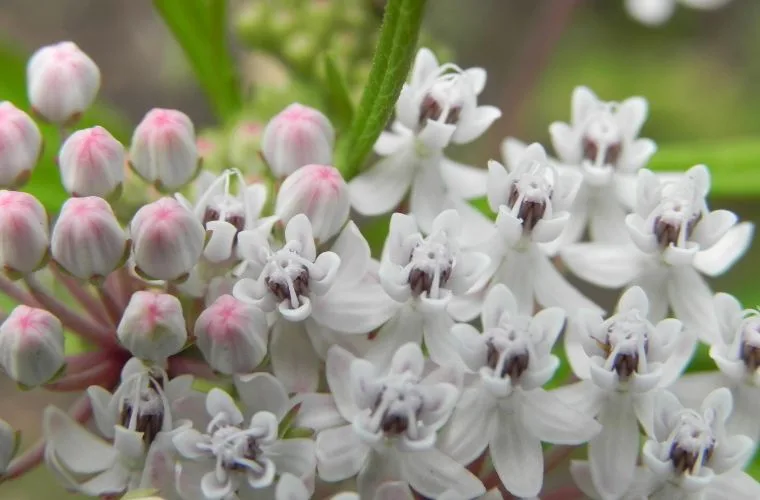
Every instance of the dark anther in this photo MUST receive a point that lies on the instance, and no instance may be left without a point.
(515, 366)
(684, 461)
(751, 356)
(531, 212)
(210, 215)
(394, 424)
(280, 290)
(625, 364)
(492, 357)
(147, 423)
(591, 150)
(431, 110)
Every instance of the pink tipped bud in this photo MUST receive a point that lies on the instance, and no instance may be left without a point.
(20, 145)
(232, 335)
(23, 233)
(163, 150)
(87, 240)
(319, 192)
(62, 81)
(152, 326)
(167, 240)
(298, 136)
(91, 162)
(9, 441)
(31, 346)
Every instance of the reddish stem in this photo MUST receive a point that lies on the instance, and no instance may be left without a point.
(85, 360)
(109, 303)
(476, 467)
(565, 493)
(557, 456)
(31, 458)
(87, 301)
(105, 374)
(179, 365)
(16, 293)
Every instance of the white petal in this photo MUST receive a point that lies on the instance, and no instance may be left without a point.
(186, 443)
(581, 472)
(613, 452)
(443, 347)
(294, 361)
(405, 326)
(294, 456)
(517, 457)
(289, 487)
(552, 289)
(380, 469)
(262, 392)
(607, 221)
(80, 451)
(394, 490)
(100, 400)
(546, 326)
(219, 246)
(381, 188)
(631, 114)
(470, 428)
(498, 185)
(218, 402)
(476, 124)
(428, 196)
(299, 229)
(575, 338)
(476, 77)
(583, 101)
(712, 227)
(340, 453)
(408, 359)
(691, 301)
(466, 307)
(317, 412)
(358, 309)
(113, 480)
(389, 142)
(469, 269)
(337, 372)
(425, 63)
(721, 256)
(566, 143)
(552, 421)
(431, 473)
(354, 253)
(733, 485)
(499, 302)
(651, 12)
(609, 266)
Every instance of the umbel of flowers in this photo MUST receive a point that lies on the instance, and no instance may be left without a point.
(419, 375)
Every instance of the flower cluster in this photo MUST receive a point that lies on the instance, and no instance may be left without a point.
(244, 343)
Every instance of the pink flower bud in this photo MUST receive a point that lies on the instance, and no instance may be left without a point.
(62, 82)
(232, 335)
(87, 240)
(319, 192)
(23, 233)
(91, 162)
(298, 136)
(31, 346)
(20, 145)
(163, 150)
(152, 326)
(167, 240)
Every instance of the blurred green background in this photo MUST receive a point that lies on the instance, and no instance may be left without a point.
(700, 73)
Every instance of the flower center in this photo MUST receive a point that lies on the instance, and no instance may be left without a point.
(530, 194)
(143, 407)
(431, 264)
(626, 343)
(602, 140)
(287, 276)
(508, 352)
(445, 95)
(239, 449)
(225, 208)
(692, 443)
(750, 343)
(396, 410)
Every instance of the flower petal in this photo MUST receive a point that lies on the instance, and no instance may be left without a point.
(517, 457)
(317, 412)
(294, 361)
(498, 185)
(476, 124)
(691, 301)
(432, 472)
(78, 450)
(340, 453)
(356, 309)
(262, 392)
(218, 402)
(609, 266)
(722, 255)
(338, 374)
(290, 487)
(552, 421)
(470, 428)
(428, 196)
(381, 188)
(463, 181)
(566, 142)
(552, 289)
(294, 456)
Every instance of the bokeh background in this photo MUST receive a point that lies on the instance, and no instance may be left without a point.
(700, 72)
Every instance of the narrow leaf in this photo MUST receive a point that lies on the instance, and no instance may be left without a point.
(390, 66)
(339, 105)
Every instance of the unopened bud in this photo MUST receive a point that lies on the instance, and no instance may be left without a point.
(163, 149)
(298, 136)
(232, 335)
(31, 346)
(20, 145)
(320, 193)
(23, 233)
(87, 239)
(62, 82)
(152, 326)
(91, 162)
(167, 240)
(9, 441)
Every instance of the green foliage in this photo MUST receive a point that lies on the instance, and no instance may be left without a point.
(339, 105)
(390, 66)
(200, 27)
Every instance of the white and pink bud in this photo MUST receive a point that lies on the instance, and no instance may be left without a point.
(164, 150)
(152, 326)
(232, 335)
(31, 346)
(9, 443)
(92, 162)
(167, 240)
(20, 145)
(62, 82)
(87, 240)
(24, 233)
(320, 193)
(298, 136)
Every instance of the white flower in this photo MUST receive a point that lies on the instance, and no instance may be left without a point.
(505, 409)
(437, 106)
(315, 296)
(622, 362)
(89, 465)
(9, 443)
(601, 142)
(692, 457)
(657, 12)
(422, 274)
(238, 453)
(531, 201)
(675, 238)
(290, 487)
(393, 417)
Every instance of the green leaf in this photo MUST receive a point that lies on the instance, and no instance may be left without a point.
(339, 105)
(200, 29)
(390, 67)
(735, 165)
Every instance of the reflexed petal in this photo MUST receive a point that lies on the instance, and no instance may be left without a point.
(187, 441)
(583, 102)
(550, 420)
(566, 143)
(552, 289)
(733, 453)
(299, 229)
(733, 485)
(289, 487)
(355, 310)
(100, 400)
(354, 254)
(463, 181)
(431, 473)
(294, 361)
(317, 412)
(428, 196)
(380, 469)
(609, 266)
(498, 185)
(517, 457)
(405, 326)
(691, 301)
(340, 453)
(442, 346)
(294, 456)
(381, 188)
(712, 227)
(613, 452)
(729, 312)
(471, 345)
(477, 123)
(581, 472)
(338, 374)
(722, 255)
(113, 480)
(213, 488)
(607, 222)
(262, 392)
(389, 142)
(470, 428)
(78, 450)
